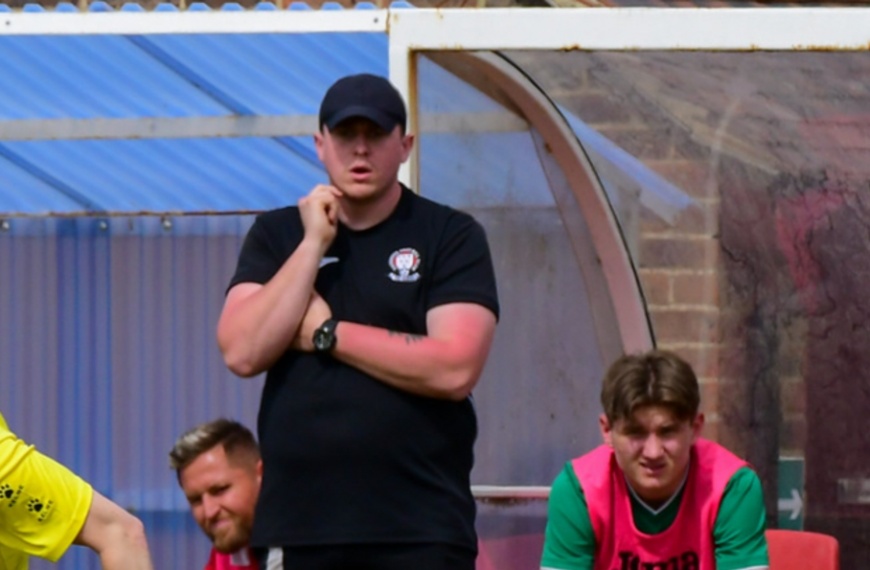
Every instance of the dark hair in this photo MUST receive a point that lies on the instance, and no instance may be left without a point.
(237, 440)
(654, 378)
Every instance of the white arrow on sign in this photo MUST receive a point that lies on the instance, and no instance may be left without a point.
(794, 504)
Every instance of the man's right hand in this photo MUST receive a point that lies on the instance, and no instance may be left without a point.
(319, 213)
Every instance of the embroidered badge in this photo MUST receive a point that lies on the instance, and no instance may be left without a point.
(404, 263)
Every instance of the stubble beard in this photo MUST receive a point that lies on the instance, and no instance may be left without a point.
(231, 540)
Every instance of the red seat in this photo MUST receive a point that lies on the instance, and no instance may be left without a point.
(518, 552)
(790, 549)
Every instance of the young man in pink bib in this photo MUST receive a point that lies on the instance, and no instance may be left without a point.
(655, 496)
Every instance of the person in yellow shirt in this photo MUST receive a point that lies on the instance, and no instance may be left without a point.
(45, 508)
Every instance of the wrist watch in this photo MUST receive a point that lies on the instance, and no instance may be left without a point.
(324, 336)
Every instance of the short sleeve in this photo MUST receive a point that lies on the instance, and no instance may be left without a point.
(43, 505)
(569, 540)
(267, 245)
(738, 534)
(463, 271)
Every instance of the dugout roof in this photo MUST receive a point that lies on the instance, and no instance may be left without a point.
(212, 123)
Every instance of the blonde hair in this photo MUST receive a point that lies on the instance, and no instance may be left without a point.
(237, 440)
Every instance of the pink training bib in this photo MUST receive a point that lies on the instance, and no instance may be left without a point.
(687, 544)
(240, 560)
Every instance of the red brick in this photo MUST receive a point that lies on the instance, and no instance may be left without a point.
(793, 435)
(709, 397)
(680, 325)
(696, 289)
(642, 143)
(598, 108)
(656, 287)
(701, 218)
(732, 438)
(691, 176)
(704, 359)
(678, 253)
(711, 427)
(793, 397)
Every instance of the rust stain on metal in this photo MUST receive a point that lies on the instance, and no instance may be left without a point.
(574, 47)
(133, 214)
(865, 47)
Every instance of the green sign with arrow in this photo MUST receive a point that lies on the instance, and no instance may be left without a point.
(790, 493)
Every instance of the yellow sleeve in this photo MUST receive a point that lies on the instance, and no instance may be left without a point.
(43, 505)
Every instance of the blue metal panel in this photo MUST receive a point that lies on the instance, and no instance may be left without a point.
(171, 175)
(268, 74)
(25, 191)
(92, 77)
(110, 354)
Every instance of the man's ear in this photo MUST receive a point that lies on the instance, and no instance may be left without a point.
(318, 145)
(407, 145)
(606, 430)
(259, 471)
(697, 426)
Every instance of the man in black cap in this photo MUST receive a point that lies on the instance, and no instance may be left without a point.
(372, 310)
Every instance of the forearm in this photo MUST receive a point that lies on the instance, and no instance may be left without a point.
(116, 536)
(444, 364)
(126, 552)
(256, 328)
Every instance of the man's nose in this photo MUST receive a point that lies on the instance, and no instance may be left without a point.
(360, 144)
(652, 447)
(210, 507)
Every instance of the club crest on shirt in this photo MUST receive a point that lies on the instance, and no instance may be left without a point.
(404, 263)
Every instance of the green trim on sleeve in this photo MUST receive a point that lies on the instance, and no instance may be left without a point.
(569, 541)
(738, 535)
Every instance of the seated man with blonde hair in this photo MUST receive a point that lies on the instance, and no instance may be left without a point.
(219, 469)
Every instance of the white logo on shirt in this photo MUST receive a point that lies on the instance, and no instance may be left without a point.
(404, 263)
(327, 261)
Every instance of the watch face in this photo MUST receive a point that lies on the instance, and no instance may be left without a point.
(324, 337)
(321, 340)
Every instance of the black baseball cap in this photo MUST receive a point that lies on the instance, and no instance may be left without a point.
(370, 96)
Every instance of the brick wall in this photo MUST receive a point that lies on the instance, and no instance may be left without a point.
(679, 273)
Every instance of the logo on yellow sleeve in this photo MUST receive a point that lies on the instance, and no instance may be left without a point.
(10, 495)
(35, 506)
(39, 508)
